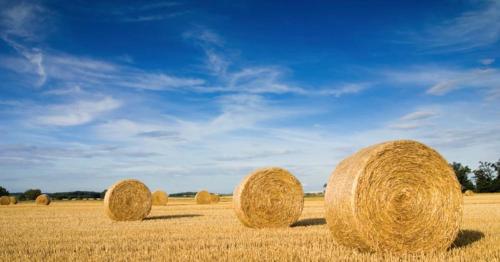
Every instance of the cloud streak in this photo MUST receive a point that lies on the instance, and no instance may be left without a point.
(440, 80)
(78, 112)
(469, 30)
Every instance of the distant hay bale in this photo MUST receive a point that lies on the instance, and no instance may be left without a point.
(4, 200)
(469, 193)
(268, 198)
(214, 198)
(160, 198)
(203, 197)
(398, 196)
(43, 200)
(13, 200)
(128, 200)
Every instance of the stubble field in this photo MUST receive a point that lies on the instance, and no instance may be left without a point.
(184, 231)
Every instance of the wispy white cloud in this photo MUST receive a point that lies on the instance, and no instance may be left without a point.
(233, 113)
(262, 79)
(23, 20)
(204, 36)
(487, 61)
(32, 63)
(66, 69)
(414, 120)
(73, 90)
(153, 17)
(21, 25)
(471, 29)
(418, 115)
(140, 12)
(346, 89)
(441, 80)
(77, 112)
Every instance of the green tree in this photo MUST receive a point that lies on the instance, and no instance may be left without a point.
(484, 177)
(3, 192)
(103, 193)
(462, 172)
(21, 197)
(496, 182)
(32, 194)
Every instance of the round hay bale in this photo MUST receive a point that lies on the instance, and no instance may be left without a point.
(399, 196)
(269, 198)
(13, 200)
(203, 197)
(42, 199)
(468, 193)
(127, 200)
(160, 198)
(4, 200)
(214, 198)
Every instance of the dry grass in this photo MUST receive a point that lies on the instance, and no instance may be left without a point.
(4, 200)
(43, 200)
(215, 198)
(268, 198)
(13, 200)
(184, 231)
(203, 197)
(128, 200)
(468, 193)
(398, 196)
(159, 198)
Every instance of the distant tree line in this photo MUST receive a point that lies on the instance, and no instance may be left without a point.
(75, 195)
(183, 194)
(4, 192)
(32, 194)
(486, 176)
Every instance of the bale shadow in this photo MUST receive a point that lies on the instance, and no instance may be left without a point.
(467, 237)
(309, 222)
(172, 217)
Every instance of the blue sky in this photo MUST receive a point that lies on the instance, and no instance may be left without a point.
(187, 96)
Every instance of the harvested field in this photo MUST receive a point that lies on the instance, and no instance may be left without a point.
(182, 230)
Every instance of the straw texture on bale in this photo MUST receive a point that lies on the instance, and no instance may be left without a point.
(43, 200)
(128, 200)
(214, 198)
(469, 193)
(4, 200)
(203, 197)
(399, 196)
(13, 200)
(268, 198)
(160, 198)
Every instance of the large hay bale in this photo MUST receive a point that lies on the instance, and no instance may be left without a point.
(128, 200)
(43, 200)
(4, 200)
(203, 197)
(398, 196)
(268, 198)
(13, 200)
(160, 198)
(468, 193)
(214, 198)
